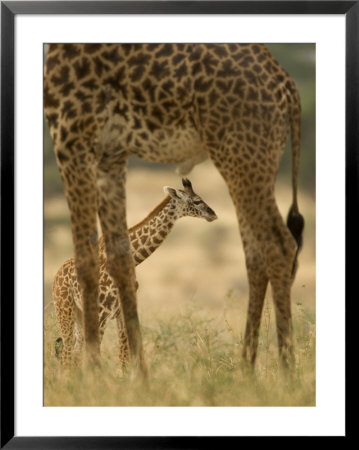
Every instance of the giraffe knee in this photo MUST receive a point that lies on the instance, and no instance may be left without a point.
(283, 240)
(292, 252)
(255, 264)
(280, 252)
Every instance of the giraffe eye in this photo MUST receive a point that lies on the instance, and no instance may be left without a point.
(197, 202)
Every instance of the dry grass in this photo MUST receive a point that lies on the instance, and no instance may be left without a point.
(192, 304)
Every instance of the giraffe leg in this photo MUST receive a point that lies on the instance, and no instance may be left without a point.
(280, 260)
(122, 341)
(122, 338)
(270, 258)
(258, 281)
(80, 190)
(79, 340)
(64, 346)
(111, 178)
(269, 246)
(279, 250)
(65, 315)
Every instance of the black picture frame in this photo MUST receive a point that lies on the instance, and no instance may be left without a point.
(9, 10)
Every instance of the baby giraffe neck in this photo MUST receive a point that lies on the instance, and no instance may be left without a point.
(149, 234)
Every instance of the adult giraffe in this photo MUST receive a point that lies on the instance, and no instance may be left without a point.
(175, 103)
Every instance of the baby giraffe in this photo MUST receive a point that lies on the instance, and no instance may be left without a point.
(145, 238)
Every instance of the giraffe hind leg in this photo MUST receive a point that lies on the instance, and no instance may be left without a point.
(78, 346)
(65, 317)
(257, 287)
(258, 281)
(123, 343)
(274, 262)
(280, 253)
(271, 241)
(64, 345)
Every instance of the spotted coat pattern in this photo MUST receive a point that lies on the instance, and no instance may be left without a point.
(175, 103)
(145, 238)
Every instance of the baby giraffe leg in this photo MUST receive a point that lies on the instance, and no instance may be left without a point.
(65, 344)
(122, 342)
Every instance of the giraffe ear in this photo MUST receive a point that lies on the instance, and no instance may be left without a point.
(170, 191)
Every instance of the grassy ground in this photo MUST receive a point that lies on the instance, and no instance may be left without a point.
(192, 303)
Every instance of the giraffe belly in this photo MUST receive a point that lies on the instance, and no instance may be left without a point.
(166, 144)
(186, 166)
(170, 145)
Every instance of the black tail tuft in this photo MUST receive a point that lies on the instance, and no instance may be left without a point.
(295, 223)
(58, 347)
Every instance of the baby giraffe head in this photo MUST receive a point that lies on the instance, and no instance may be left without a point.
(188, 203)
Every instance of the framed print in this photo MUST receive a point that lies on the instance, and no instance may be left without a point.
(183, 109)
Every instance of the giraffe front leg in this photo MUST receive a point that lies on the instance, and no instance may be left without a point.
(80, 189)
(122, 338)
(111, 178)
(79, 340)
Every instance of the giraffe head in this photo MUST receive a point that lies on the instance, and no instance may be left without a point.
(188, 203)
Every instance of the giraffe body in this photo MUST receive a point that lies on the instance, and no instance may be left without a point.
(145, 238)
(175, 103)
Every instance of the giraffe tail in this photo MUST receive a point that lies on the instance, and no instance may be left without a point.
(295, 221)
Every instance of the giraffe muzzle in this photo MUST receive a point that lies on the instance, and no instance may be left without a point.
(211, 215)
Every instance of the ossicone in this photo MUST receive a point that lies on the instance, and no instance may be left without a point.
(187, 184)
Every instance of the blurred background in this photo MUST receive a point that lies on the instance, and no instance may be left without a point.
(201, 265)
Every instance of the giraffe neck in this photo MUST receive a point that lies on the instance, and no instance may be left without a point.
(149, 234)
